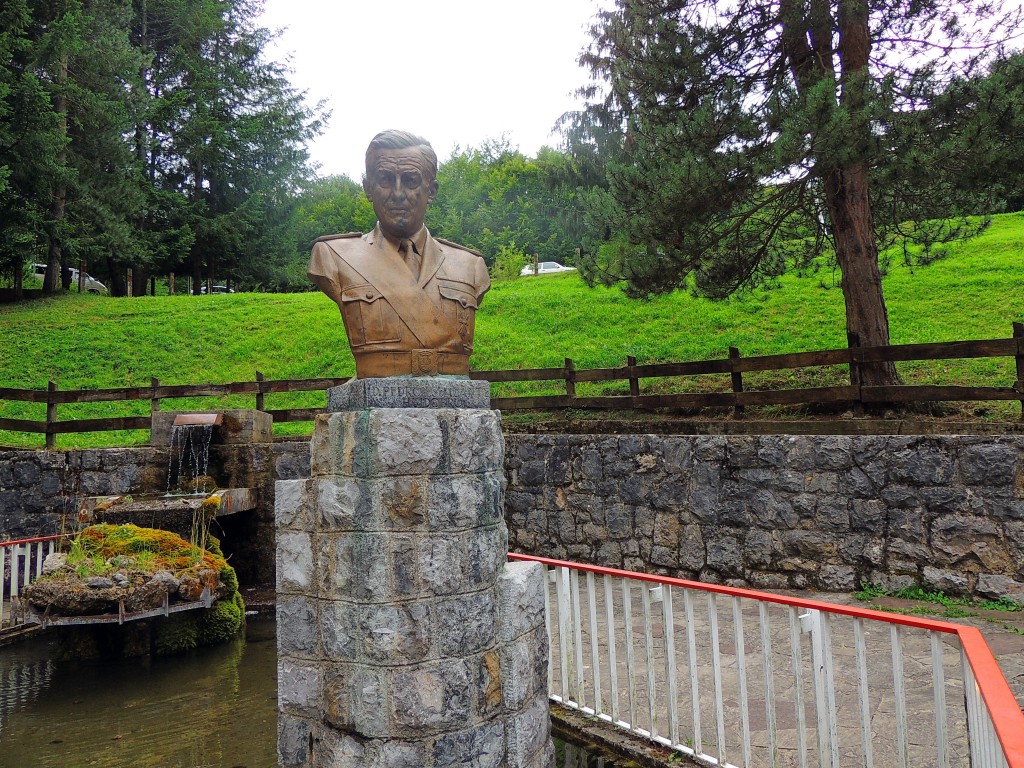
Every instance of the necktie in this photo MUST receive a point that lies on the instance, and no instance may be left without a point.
(412, 259)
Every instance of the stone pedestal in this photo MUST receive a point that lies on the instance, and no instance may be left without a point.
(405, 638)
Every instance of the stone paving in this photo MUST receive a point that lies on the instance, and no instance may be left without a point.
(1001, 629)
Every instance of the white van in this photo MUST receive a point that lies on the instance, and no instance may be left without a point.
(91, 285)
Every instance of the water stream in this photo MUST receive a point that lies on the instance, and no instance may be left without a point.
(216, 708)
(189, 457)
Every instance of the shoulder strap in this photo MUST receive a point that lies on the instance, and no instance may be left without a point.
(386, 272)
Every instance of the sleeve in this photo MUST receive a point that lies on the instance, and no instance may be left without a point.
(481, 280)
(323, 270)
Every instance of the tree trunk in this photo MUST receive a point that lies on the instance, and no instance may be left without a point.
(849, 208)
(849, 200)
(116, 271)
(19, 278)
(140, 281)
(197, 270)
(54, 255)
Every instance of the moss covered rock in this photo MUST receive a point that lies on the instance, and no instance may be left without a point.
(125, 567)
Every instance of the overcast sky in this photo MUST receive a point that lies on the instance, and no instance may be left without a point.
(456, 72)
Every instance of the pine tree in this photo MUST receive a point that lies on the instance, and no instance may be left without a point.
(740, 139)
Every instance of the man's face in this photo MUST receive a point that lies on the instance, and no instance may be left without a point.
(400, 188)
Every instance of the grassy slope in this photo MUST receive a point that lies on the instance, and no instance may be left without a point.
(89, 341)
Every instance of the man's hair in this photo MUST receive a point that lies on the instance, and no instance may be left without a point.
(401, 140)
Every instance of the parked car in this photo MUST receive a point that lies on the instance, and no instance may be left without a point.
(91, 284)
(545, 268)
(217, 289)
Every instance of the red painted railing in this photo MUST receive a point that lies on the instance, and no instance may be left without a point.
(582, 617)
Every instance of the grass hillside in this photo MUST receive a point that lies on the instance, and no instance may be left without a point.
(84, 341)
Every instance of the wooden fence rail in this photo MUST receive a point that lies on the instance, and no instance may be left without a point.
(739, 396)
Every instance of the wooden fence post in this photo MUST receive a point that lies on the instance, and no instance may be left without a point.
(154, 401)
(81, 277)
(128, 283)
(51, 415)
(1018, 334)
(737, 383)
(170, 284)
(570, 378)
(853, 342)
(260, 378)
(634, 382)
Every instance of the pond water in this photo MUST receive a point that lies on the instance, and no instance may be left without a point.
(211, 709)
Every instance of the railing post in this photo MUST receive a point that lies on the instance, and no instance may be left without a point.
(634, 382)
(737, 383)
(260, 378)
(1018, 334)
(51, 415)
(3, 579)
(856, 379)
(570, 378)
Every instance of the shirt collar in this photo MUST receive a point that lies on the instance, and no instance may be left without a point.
(419, 240)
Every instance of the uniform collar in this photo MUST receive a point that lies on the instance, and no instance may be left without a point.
(419, 240)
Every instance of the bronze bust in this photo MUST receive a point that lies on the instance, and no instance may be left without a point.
(408, 299)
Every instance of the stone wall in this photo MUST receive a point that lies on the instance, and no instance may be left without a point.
(777, 511)
(773, 511)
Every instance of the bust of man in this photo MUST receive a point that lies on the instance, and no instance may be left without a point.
(408, 299)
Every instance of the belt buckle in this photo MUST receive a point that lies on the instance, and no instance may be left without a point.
(426, 362)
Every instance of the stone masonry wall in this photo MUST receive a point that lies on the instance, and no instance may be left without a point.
(777, 511)
(772, 511)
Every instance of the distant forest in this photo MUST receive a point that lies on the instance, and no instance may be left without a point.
(155, 136)
(147, 137)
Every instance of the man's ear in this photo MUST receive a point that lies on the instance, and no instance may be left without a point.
(433, 191)
(367, 186)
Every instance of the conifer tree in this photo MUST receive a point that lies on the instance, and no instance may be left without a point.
(740, 138)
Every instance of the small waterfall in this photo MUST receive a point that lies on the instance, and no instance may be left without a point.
(189, 459)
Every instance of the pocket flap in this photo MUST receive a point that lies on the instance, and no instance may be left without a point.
(464, 297)
(361, 293)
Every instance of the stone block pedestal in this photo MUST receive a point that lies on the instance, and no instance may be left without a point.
(405, 638)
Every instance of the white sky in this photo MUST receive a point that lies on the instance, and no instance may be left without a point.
(456, 72)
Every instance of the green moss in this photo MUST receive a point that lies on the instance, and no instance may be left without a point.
(213, 545)
(228, 578)
(165, 550)
(223, 621)
(98, 548)
(176, 634)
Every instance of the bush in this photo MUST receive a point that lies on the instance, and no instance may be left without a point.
(508, 262)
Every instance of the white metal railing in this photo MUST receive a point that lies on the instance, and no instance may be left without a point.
(21, 561)
(737, 677)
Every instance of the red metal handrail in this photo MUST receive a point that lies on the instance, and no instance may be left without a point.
(1002, 706)
(33, 540)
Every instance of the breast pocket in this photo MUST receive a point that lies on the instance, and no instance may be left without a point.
(459, 302)
(368, 317)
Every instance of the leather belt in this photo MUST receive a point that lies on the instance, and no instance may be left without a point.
(416, 362)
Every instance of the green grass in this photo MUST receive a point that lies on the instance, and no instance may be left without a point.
(934, 603)
(95, 342)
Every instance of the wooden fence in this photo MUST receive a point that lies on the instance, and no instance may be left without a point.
(853, 394)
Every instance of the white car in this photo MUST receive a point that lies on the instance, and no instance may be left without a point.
(91, 284)
(545, 268)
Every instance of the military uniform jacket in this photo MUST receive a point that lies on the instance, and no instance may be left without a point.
(398, 324)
